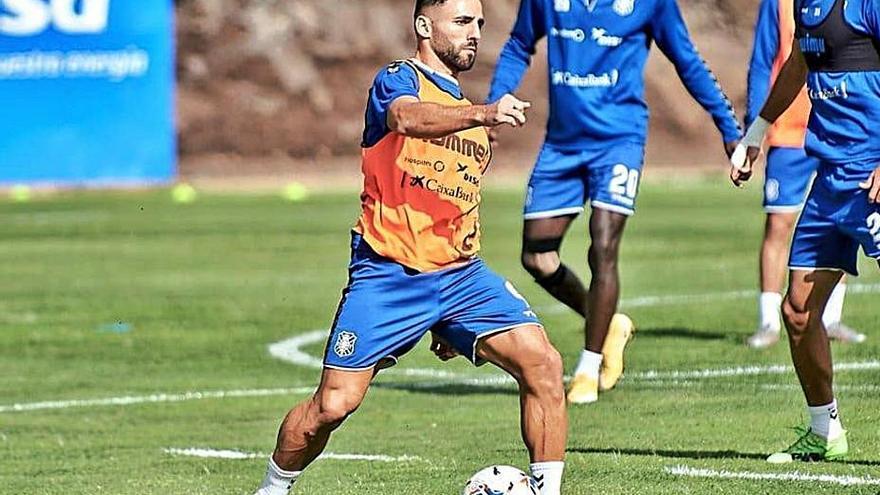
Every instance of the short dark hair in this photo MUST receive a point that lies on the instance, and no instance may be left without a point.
(421, 4)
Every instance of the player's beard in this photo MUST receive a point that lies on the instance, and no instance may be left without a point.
(461, 58)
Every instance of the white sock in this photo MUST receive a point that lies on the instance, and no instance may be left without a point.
(548, 475)
(834, 308)
(277, 480)
(770, 310)
(825, 421)
(589, 364)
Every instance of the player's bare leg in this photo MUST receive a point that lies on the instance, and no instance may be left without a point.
(606, 231)
(307, 427)
(810, 350)
(527, 355)
(606, 333)
(802, 310)
(774, 263)
(540, 257)
(774, 258)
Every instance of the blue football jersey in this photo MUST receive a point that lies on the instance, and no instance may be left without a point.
(597, 51)
(843, 83)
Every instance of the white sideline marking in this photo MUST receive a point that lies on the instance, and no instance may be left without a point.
(792, 476)
(775, 369)
(48, 217)
(837, 388)
(144, 399)
(678, 299)
(290, 350)
(237, 455)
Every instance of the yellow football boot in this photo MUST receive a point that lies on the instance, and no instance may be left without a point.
(583, 389)
(620, 332)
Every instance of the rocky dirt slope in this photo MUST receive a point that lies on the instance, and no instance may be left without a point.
(263, 81)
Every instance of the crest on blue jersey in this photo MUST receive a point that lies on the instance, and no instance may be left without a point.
(344, 346)
(562, 5)
(623, 7)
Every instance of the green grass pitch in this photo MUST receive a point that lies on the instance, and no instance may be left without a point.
(108, 295)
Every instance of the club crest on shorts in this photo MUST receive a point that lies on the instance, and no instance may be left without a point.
(344, 345)
(623, 7)
(771, 189)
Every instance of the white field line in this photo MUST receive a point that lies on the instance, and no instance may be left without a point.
(490, 381)
(146, 399)
(48, 217)
(837, 388)
(775, 369)
(18, 318)
(679, 299)
(290, 350)
(237, 455)
(791, 476)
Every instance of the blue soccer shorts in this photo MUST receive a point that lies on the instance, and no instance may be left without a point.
(563, 181)
(836, 220)
(387, 308)
(787, 179)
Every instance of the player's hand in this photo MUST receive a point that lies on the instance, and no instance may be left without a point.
(872, 185)
(742, 161)
(441, 348)
(508, 110)
(730, 147)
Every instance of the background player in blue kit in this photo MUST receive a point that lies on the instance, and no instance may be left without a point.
(837, 53)
(594, 148)
(787, 176)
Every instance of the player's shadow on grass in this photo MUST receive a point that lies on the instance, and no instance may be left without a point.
(450, 388)
(697, 454)
(681, 333)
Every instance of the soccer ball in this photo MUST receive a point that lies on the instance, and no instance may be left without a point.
(501, 480)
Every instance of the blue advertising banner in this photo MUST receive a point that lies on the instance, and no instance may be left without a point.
(86, 92)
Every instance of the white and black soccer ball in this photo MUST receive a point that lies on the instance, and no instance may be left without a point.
(501, 480)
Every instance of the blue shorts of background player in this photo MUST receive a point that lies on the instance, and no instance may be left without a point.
(836, 220)
(787, 178)
(563, 181)
(387, 308)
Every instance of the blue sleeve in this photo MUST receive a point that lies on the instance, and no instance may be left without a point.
(671, 35)
(764, 51)
(517, 53)
(871, 14)
(392, 82)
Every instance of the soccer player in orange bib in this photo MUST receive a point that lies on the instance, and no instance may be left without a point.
(788, 173)
(414, 265)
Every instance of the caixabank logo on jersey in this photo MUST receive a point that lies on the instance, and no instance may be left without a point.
(77, 75)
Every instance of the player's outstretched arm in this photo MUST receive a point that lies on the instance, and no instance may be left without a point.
(671, 35)
(516, 55)
(791, 79)
(413, 118)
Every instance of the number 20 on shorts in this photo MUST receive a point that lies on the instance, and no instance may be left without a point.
(624, 181)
